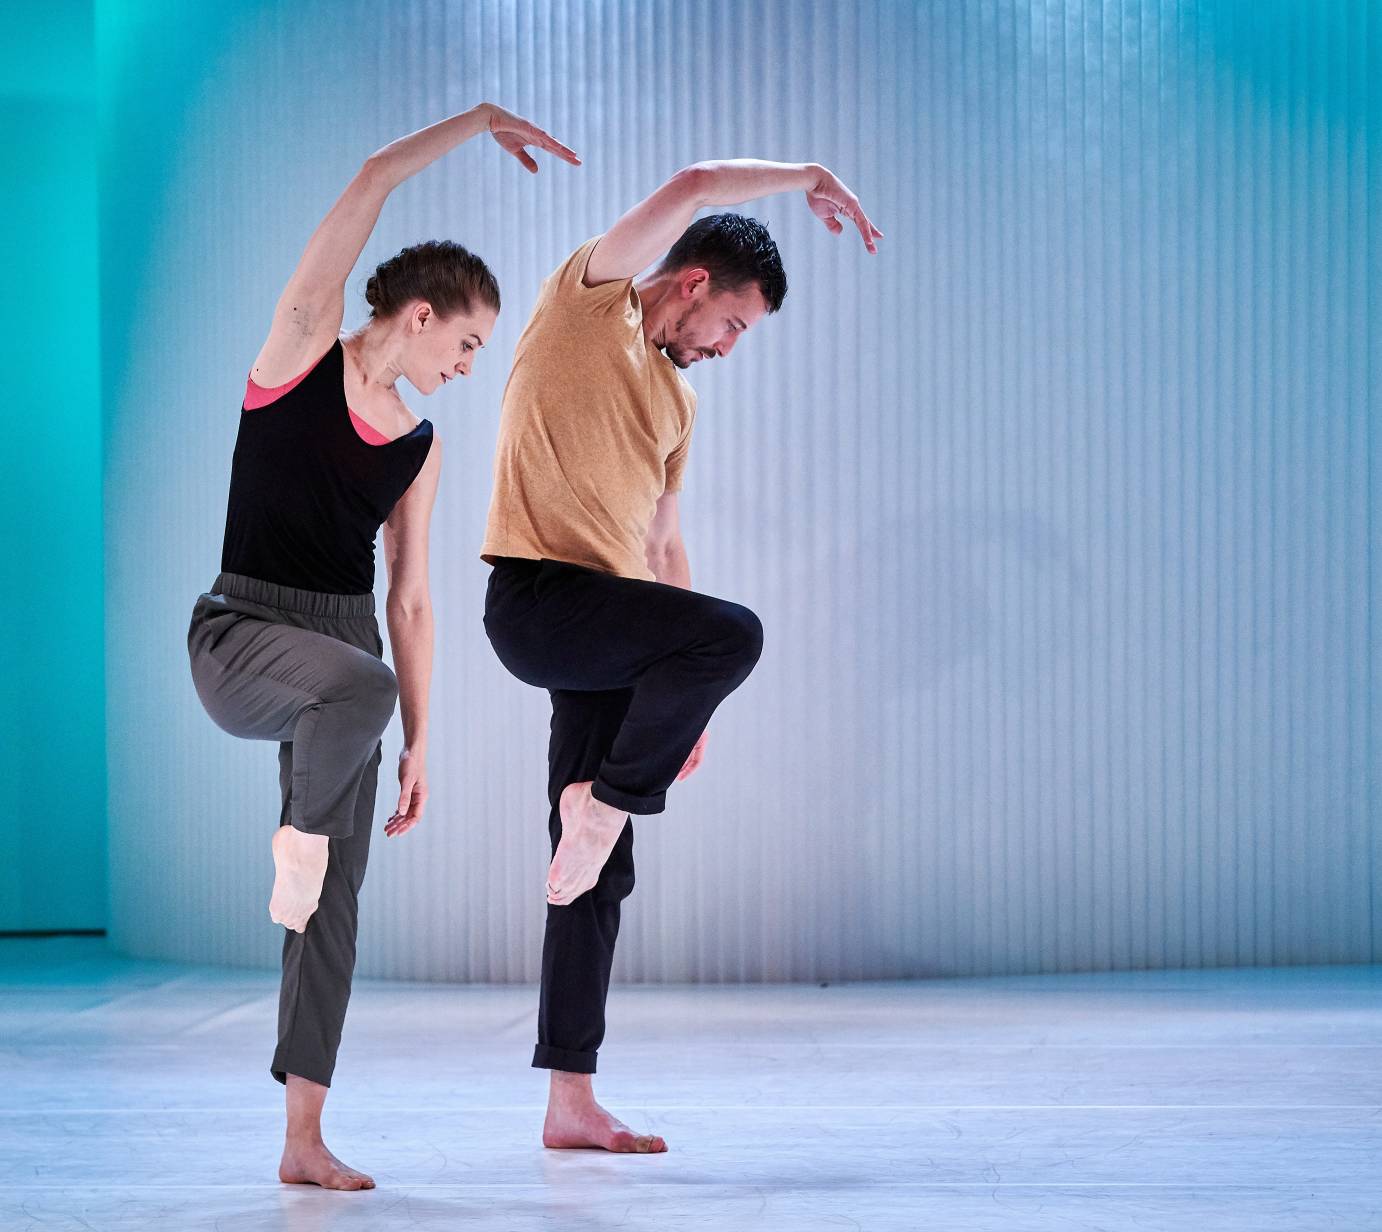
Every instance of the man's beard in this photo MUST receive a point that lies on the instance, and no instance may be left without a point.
(680, 355)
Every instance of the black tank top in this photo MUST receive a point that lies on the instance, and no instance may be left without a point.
(307, 494)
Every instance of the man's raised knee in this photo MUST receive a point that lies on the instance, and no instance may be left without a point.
(747, 632)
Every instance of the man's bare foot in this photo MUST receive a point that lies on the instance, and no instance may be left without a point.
(589, 830)
(299, 870)
(310, 1163)
(575, 1120)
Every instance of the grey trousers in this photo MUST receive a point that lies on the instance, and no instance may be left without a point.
(305, 668)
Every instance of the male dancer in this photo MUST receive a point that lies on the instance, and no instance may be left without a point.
(590, 592)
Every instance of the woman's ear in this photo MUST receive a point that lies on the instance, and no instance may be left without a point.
(422, 315)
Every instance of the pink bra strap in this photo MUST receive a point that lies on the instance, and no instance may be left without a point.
(257, 396)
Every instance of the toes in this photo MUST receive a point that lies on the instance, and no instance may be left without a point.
(636, 1144)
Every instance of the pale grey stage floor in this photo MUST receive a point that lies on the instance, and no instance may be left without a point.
(134, 1096)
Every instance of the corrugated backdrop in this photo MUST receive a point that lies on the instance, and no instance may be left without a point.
(1059, 512)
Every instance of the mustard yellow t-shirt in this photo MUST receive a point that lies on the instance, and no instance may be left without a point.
(594, 427)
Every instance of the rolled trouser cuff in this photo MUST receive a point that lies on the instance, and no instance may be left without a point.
(547, 1057)
(342, 825)
(627, 801)
(315, 1070)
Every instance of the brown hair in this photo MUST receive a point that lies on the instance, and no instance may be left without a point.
(440, 272)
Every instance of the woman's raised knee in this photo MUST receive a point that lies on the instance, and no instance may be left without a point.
(373, 691)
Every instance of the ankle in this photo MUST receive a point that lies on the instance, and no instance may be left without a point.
(303, 850)
(569, 1088)
(606, 814)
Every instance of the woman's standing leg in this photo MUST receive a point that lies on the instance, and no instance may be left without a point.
(312, 678)
(318, 967)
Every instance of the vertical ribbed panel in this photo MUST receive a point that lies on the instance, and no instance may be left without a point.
(1059, 513)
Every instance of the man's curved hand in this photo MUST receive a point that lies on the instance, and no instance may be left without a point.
(829, 197)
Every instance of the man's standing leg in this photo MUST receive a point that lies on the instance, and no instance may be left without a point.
(578, 948)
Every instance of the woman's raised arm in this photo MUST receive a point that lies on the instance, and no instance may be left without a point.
(309, 312)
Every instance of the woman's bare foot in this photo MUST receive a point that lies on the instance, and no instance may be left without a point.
(306, 1161)
(310, 1163)
(575, 1120)
(589, 830)
(299, 870)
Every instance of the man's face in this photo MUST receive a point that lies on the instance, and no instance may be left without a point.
(707, 323)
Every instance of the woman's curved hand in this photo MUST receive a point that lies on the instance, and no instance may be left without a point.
(412, 794)
(514, 133)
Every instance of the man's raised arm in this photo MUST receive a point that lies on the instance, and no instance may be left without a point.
(652, 226)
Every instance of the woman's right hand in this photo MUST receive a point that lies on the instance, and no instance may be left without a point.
(514, 133)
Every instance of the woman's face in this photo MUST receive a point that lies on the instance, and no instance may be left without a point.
(436, 350)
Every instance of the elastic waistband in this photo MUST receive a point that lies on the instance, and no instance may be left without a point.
(291, 599)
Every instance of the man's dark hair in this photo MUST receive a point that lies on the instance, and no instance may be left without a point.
(736, 251)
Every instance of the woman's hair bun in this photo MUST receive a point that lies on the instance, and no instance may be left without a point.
(439, 272)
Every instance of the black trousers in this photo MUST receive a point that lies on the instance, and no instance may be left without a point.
(635, 669)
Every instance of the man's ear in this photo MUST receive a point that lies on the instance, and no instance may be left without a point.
(694, 278)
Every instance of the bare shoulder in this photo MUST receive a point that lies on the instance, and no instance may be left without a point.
(413, 510)
(431, 464)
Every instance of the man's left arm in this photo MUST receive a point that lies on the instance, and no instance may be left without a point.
(663, 548)
(666, 557)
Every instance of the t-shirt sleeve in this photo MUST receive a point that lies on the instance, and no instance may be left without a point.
(675, 466)
(566, 286)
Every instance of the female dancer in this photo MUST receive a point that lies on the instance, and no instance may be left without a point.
(285, 645)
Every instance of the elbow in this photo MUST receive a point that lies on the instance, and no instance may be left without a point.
(693, 183)
(374, 174)
(409, 607)
(662, 552)
(657, 556)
